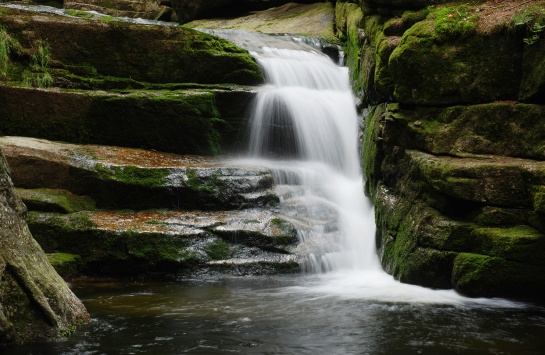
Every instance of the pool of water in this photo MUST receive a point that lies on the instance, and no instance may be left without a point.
(289, 315)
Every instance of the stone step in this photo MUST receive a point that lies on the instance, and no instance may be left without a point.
(485, 179)
(128, 178)
(132, 243)
(203, 120)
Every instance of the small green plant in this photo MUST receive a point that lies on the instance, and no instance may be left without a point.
(533, 20)
(39, 64)
(534, 29)
(7, 45)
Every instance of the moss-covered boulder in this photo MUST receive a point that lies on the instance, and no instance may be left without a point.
(35, 302)
(501, 128)
(115, 177)
(481, 275)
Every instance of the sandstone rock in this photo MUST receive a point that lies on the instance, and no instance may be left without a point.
(197, 121)
(133, 243)
(156, 54)
(137, 179)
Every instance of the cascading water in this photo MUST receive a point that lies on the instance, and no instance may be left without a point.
(305, 116)
(304, 127)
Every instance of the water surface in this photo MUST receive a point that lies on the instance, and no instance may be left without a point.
(289, 315)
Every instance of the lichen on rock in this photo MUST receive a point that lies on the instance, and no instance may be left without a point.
(35, 302)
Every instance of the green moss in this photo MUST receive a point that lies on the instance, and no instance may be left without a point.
(59, 259)
(372, 154)
(218, 250)
(539, 200)
(78, 13)
(433, 71)
(208, 184)
(133, 175)
(453, 22)
(349, 18)
(481, 275)
(519, 244)
(55, 200)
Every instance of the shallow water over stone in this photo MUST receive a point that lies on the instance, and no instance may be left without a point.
(287, 315)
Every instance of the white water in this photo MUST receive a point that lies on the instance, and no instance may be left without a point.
(304, 126)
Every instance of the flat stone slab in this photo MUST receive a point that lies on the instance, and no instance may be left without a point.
(132, 178)
(168, 241)
(487, 179)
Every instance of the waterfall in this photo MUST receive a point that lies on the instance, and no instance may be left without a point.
(304, 127)
(304, 124)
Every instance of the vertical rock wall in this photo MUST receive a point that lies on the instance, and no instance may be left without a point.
(454, 139)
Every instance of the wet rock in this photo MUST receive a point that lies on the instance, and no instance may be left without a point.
(117, 177)
(168, 242)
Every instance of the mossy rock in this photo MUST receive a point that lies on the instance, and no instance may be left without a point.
(163, 242)
(155, 54)
(348, 23)
(445, 68)
(521, 244)
(54, 200)
(371, 148)
(532, 88)
(495, 181)
(117, 177)
(66, 265)
(416, 244)
(539, 200)
(486, 276)
(500, 128)
(175, 121)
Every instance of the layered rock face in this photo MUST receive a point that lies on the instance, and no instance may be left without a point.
(100, 210)
(119, 211)
(166, 88)
(35, 302)
(453, 145)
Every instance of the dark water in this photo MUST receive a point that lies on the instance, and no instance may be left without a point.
(275, 316)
